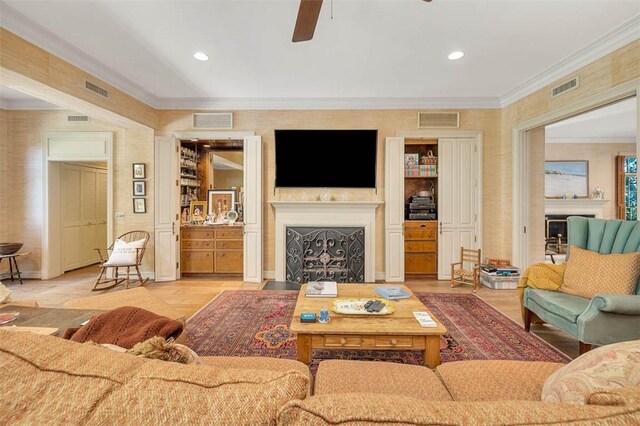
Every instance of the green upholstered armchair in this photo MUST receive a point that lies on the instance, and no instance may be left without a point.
(606, 318)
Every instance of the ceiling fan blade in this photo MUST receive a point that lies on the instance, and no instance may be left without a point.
(307, 19)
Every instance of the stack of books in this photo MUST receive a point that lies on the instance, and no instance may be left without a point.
(500, 270)
(322, 289)
(422, 208)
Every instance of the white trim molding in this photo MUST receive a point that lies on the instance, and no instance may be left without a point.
(326, 213)
(575, 206)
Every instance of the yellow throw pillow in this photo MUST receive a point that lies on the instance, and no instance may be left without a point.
(589, 273)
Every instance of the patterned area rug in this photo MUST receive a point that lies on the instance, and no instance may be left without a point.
(256, 323)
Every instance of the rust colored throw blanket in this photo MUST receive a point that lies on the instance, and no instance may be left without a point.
(125, 327)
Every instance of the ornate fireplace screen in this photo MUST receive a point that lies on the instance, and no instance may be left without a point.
(316, 254)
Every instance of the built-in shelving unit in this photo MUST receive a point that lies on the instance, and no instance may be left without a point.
(189, 182)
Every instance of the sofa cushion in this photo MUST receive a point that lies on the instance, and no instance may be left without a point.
(608, 367)
(495, 380)
(563, 305)
(356, 409)
(589, 273)
(47, 380)
(341, 376)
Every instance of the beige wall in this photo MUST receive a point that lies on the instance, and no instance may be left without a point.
(616, 68)
(24, 178)
(386, 121)
(4, 173)
(602, 165)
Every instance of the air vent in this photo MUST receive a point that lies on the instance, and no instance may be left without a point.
(565, 87)
(96, 89)
(439, 119)
(213, 120)
(77, 118)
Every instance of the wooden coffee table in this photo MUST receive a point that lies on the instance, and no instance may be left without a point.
(397, 331)
(49, 317)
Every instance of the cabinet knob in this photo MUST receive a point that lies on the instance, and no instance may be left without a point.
(423, 226)
(394, 342)
(343, 341)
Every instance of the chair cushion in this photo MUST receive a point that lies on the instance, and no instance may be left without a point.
(495, 380)
(124, 253)
(388, 378)
(589, 273)
(563, 305)
(606, 368)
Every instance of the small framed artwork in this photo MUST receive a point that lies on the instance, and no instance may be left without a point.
(139, 188)
(221, 201)
(566, 179)
(139, 205)
(139, 171)
(198, 210)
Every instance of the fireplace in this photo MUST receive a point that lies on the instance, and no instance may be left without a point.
(318, 254)
(556, 226)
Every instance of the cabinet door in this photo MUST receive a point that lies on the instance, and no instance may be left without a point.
(394, 209)
(166, 202)
(197, 261)
(228, 262)
(456, 200)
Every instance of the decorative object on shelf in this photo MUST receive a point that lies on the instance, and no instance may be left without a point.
(221, 201)
(139, 171)
(566, 179)
(139, 205)
(598, 193)
(139, 188)
(411, 160)
(232, 216)
(198, 210)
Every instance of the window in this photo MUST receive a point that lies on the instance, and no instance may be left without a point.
(627, 187)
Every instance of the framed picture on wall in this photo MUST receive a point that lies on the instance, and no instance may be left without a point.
(221, 201)
(139, 188)
(139, 171)
(566, 179)
(139, 205)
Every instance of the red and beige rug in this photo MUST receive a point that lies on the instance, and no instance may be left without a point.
(256, 323)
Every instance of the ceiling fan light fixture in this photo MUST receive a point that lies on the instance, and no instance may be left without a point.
(455, 55)
(201, 56)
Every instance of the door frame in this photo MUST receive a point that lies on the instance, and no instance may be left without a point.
(520, 149)
(257, 269)
(84, 146)
(477, 135)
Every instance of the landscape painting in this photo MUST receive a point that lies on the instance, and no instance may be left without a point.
(566, 179)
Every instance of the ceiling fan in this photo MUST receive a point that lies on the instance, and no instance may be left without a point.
(308, 13)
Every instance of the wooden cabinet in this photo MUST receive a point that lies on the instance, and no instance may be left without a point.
(420, 247)
(212, 250)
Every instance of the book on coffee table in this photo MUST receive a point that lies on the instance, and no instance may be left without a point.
(392, 293)
(322, 289)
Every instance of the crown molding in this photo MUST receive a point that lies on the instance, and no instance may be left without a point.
(32, 104)
(326, 103)
(630, 140)
(611, 41)
(29, 30)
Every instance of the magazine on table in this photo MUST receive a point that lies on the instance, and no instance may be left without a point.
(322, 289)
(392, 293)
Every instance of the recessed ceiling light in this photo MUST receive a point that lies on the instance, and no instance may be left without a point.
(455, 55)
(201, 56)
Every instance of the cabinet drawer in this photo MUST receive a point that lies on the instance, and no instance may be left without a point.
(420, 246)
(420, 234)
(197, 244)
(197, 261)
(229, 234)
(420, 263)
(331, 341)
(229, 244)
(421, 224)
(197, 234)
(228, 261)
(393, 341)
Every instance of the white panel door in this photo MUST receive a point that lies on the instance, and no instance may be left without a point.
(167, 226)
(71, 216)
(394, 209)
(101, 214)
(88, 200)
(253, 209)
(456, 200)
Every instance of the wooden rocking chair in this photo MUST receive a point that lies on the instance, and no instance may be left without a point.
(468, 270)
(132, 258)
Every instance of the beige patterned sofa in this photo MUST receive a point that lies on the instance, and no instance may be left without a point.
(48, 380)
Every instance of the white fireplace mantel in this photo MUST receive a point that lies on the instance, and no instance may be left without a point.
(330, 214)
(575, 206)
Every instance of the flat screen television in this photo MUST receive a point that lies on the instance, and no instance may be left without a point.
(326, 158)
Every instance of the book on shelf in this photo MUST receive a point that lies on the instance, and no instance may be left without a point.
(322, 289)
(392, 293)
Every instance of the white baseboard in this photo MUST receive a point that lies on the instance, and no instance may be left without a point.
(269, 275)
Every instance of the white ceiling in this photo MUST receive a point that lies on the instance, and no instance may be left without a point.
(616, 123)
(373, 52)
